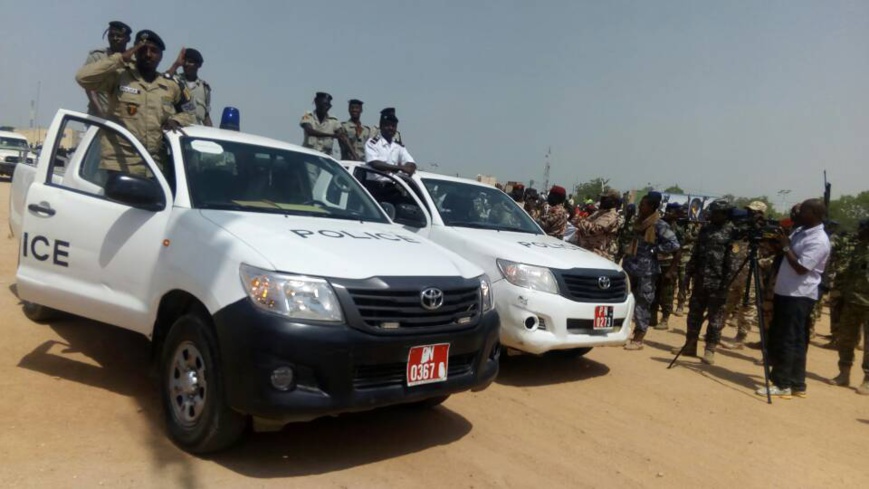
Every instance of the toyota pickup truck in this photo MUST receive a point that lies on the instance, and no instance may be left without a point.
(551, 295)
(272, 286)
(13, 150)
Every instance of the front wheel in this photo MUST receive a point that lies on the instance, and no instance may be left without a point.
(197, 416)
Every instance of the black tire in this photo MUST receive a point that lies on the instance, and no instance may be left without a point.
(429, 403)
(38, 313)
(207, 424)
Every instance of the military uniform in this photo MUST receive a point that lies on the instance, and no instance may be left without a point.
(736, 309)
(641, 264)
(597, 232)
(358, 136)
(102, 108)
(665, 289)
(711, 269)
(200, 92)
(329, 125)
(687, 234)
(554, 221)
(139, 106)
(855, 314)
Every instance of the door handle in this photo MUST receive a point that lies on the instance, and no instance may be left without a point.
(48, 211)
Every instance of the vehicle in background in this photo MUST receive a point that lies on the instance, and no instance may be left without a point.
(14, 149)
(550, 294)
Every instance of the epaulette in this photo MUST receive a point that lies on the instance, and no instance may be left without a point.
(168, 75)
(375, 139)
(94, 51)
(333, 118)
(206, 84)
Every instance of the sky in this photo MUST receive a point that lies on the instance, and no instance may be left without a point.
(740, 97)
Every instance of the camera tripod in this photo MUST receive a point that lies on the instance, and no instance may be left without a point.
(753, 277)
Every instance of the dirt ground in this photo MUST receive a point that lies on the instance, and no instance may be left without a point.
(79, 409)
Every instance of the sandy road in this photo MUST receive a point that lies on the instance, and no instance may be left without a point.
(78, 409)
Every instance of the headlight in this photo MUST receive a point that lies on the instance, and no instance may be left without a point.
(487, 293)
(294, 296)
(528, 276)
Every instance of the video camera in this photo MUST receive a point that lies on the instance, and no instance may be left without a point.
(754, 229)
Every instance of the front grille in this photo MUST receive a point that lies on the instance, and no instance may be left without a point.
(585, 286)
(392, 374)
(402, 308)
(586, 326)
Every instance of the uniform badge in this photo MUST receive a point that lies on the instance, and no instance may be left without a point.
(129, 89)
(735, 248)
(132, 109)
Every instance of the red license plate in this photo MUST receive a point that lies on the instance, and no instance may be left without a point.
(603, 317)
(428, 364)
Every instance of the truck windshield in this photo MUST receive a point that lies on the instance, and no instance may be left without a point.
(236, 176)
(13, 143)
(475, 206)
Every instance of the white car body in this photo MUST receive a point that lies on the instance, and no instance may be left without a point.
(532, 321)
(142, 264)
(14, 149)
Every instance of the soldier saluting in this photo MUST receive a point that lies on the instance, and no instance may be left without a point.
(140, 99)
(118, 35)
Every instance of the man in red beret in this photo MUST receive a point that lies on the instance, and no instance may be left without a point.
(554, 222)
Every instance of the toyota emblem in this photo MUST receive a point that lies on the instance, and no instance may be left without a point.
(604, 282)
(431, 298)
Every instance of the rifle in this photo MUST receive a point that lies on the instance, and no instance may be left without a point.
(827, 187)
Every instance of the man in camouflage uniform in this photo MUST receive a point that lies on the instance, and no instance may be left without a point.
(686, 232)
(842, 248)
(597, 232)
(737, 313)
(855, 292)
(711, 269)
(118, 36)
(320, 129)
(650, 235)
(141, 100)
(356, 133)
(554, 221)
(666, 287)
(623, 238)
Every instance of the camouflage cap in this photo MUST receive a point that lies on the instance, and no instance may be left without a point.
(757, 206)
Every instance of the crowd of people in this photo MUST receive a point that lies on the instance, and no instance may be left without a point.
(668, 257)
(672, 260)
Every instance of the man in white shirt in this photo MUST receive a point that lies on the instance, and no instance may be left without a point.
(384, 154)
(805, 255)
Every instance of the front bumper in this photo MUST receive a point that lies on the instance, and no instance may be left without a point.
(338, 368)
(561, 323)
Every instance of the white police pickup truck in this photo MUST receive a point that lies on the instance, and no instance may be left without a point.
(271, 284)
(550, 294)
(14, 149)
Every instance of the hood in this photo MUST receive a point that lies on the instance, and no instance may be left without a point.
(339, 248)
(532, 249)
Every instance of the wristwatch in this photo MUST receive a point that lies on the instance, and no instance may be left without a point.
(785, 249)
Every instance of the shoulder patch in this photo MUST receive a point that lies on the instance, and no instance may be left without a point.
(375, 139)
(206, 84)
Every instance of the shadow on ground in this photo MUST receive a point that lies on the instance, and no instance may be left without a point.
(124, 367)
(331, 444)
(554, 368)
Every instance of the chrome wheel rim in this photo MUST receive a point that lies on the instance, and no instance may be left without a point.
(187, 383)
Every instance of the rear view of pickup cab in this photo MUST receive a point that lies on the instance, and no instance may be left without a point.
(271, 284)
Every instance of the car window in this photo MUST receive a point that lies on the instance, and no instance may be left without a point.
(236, 176)
(475, 206)
(386, 190)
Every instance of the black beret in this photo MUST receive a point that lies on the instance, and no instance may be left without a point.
(150, 36)
(720, 205)
(354, 101)
(193, 55)
(674, 206)
(388, 111)
(117, 24)
(388, 118)
(323, 96)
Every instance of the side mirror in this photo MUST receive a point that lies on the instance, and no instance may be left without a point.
(389, 209)
(409, 215)
(134, 191)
